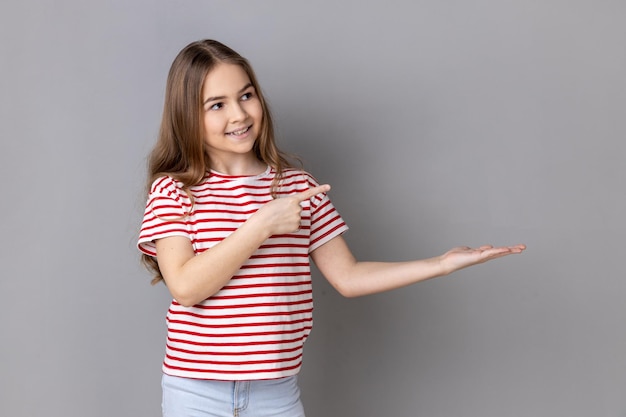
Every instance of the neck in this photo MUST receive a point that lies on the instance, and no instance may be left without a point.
(240, 167)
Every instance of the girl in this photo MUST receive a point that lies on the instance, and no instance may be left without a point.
(230, 226)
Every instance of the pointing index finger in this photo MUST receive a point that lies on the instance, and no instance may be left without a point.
(305, 195)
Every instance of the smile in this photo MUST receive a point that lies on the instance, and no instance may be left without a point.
(239, 132)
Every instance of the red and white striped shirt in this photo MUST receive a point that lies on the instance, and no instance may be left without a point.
(256, 325)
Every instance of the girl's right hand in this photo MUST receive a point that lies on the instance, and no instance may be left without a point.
(283, 215)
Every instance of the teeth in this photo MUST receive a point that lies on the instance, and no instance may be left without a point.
(240, 132)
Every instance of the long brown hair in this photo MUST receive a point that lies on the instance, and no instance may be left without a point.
(179, 151)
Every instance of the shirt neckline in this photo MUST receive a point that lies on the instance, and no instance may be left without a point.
(221, 175)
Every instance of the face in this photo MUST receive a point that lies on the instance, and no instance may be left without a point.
(232, 116)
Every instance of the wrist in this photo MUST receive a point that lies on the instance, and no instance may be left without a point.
(443, 265)
(256, 227)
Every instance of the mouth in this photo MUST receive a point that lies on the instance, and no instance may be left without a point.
(239, 132)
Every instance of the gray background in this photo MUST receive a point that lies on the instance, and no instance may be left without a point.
(438, 123)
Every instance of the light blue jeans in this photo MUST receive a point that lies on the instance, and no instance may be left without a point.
(186, 397)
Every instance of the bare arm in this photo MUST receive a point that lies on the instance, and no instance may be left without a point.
(192, 278)
(352, 278)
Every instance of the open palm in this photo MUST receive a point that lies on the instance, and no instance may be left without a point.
(464, 256)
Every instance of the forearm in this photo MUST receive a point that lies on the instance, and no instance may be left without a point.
(352, 278)
(364, 278)
(197, 278)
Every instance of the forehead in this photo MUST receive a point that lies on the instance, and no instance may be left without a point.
(224, 80)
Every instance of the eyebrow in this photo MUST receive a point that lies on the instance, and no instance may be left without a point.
(223, 97)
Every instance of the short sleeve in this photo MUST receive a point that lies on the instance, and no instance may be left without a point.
(326, 223)
(165, 214)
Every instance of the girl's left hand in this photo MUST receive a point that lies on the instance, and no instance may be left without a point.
(464, 256)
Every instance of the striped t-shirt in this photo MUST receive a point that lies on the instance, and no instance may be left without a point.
(256, 325)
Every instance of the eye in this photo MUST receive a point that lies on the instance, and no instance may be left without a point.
(247, 96)
(216, 106)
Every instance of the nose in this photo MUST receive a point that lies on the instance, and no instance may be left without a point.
(238, 112)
